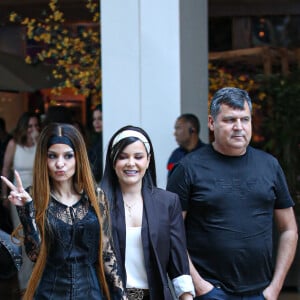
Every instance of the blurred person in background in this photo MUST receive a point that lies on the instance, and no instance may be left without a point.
(187, 130)
(59, 114)
(8, 273)
(19, 155)
(5, 219)
(4, 139)
(95, 151)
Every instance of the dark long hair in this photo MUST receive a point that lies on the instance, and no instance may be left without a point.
(109, 182)
(20, 132)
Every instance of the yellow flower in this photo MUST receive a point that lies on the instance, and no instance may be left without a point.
(52, 5)
(28, 59)
(25, 21)
(58, 15)
(40, 57)
(46, 37)
(12, 17)
(262, 96)
(70, 52)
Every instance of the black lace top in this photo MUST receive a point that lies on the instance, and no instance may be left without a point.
(72, 233)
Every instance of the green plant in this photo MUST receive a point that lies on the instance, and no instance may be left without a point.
(281, 124)
(73, 50)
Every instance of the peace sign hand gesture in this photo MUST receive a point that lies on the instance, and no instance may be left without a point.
(18, 196)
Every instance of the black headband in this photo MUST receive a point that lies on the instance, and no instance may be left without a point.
(55, 139)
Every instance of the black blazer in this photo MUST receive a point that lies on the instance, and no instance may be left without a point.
(163, 238)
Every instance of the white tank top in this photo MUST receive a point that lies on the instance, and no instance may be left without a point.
(134, 259)
(23, 163)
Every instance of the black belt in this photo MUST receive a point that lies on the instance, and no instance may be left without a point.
(137, 294)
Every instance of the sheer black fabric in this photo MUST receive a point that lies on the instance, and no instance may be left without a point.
(72, 233)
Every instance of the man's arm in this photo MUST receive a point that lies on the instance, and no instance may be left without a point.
(288, 237)
(201, 286)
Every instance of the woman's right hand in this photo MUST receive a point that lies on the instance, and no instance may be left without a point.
(17, 196)
(203, 287)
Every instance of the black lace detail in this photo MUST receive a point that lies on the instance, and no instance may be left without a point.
(74, 216)
(110, 262)
(69, 214)
(31, 233)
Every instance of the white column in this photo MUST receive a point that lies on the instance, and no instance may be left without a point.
(194, 60)
(141, 70)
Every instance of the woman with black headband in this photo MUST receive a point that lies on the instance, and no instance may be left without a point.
(147, 224)
(66, 224)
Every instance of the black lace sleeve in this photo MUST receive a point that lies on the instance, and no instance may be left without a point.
(110, 262)
(31, 233)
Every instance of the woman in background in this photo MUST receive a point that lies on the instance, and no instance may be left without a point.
(19, 155)
(147, 224)
(20, 151)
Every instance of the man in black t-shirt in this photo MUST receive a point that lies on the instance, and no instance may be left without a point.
(230, 193)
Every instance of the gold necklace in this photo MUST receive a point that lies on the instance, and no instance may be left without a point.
(130, 207)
